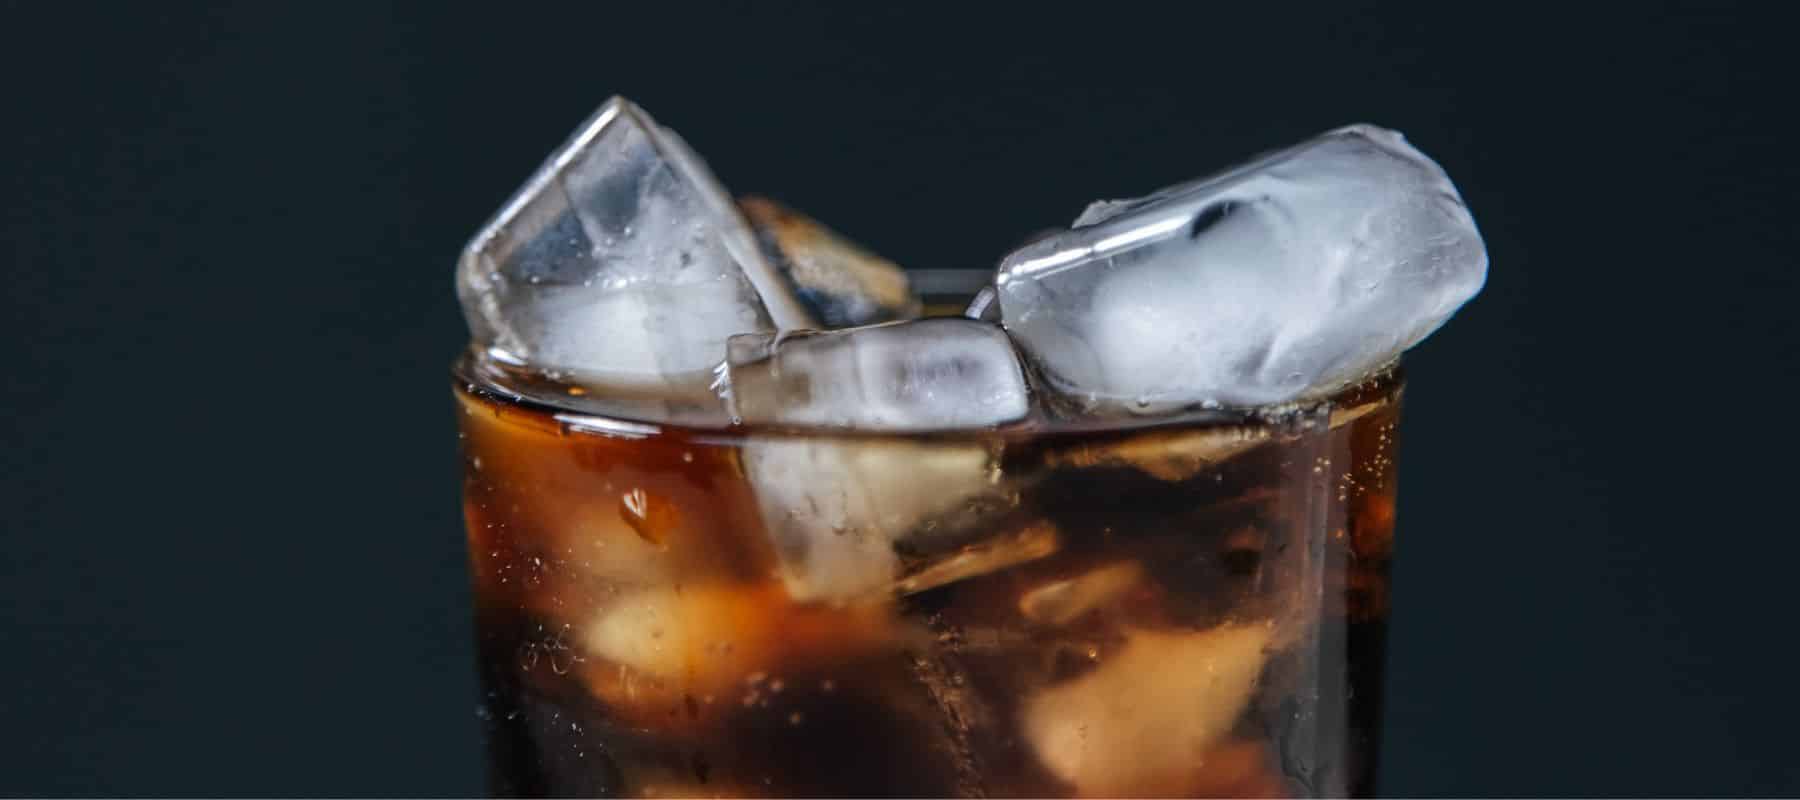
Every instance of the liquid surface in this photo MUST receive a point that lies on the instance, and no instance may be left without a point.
(1190, 609)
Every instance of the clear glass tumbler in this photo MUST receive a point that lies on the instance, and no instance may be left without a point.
(1194, 607)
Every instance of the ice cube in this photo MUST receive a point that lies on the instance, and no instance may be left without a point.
(1062, 601)
(842, 284)
(838, 511)
(1282, 279)
(938, 566)
(837, 508)
(1139, 723)
(621, 263)
(651, 645)
(908, 376)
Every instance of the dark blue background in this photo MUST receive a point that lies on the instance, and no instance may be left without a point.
(232, 553)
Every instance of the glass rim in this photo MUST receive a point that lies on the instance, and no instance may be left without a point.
(469, 377)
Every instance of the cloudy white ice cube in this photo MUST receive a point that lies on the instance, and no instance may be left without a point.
(1285, 278)
(621, 264)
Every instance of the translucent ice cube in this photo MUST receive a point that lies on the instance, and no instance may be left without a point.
(842, 284)
(649, 651)
(840, 509)
(712, 635)
(839, 512)
(1138, 724)
(907, 376)
(1060, 601)
(1284, 278)
(620, 263)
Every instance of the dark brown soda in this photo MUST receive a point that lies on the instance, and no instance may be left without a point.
(1189, 609)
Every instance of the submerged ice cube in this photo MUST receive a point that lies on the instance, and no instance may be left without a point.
(842, 284)
(1142, 721)
(1063, 600)
(621, 263)
(908, 376)
(1285, 278)
(933, 561)
(840, 511)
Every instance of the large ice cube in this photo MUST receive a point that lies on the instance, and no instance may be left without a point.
(1284, 278)
(908, 376)
(621, 263)
(842, 284)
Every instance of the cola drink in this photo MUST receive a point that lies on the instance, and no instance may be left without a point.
(1191, 605)
(741, 523)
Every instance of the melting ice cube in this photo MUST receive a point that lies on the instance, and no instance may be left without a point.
(1281, 279)
(621, 263)
(839, 511)
(1061, 601)
(1140, 721)
(909, 376)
